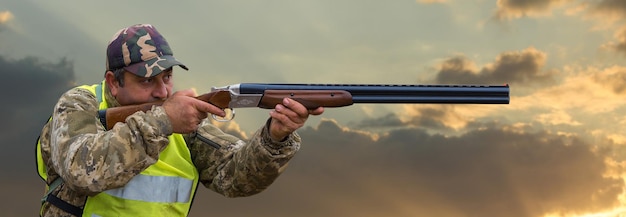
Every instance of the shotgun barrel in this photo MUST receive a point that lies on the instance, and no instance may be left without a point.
(394, 93)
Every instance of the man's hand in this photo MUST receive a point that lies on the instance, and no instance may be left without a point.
(186, 112)
(288, 117)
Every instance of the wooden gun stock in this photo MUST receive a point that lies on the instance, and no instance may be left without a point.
(111, 116)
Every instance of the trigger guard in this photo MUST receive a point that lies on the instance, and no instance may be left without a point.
(225, 119)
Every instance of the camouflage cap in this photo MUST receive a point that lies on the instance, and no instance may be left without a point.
(141, 50)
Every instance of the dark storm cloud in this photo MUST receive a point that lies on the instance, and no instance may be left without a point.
(389, 120)
(489, 172)
(493, 172)
(30, 87)
(425, 117)
(521, 67)
(608, 8)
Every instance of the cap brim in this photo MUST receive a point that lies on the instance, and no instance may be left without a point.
(154, 66)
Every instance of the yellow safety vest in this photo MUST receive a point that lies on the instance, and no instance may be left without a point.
(165, 188)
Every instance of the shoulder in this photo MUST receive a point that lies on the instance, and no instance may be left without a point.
(78, 94)
(77, 97)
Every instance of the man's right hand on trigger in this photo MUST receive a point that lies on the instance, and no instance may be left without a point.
(186, 112)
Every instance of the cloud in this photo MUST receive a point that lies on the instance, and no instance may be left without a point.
(606, 12)
(431, 1)
(613, 79)
(5, 16)
(490, 171)
(442, 118)
(517, 67)
(591, 91)
(511, 9)
(389, 120)
(31, 89)
(618, 6)
(588, 102)
(557, 117)
(618, 46)
(609, 11)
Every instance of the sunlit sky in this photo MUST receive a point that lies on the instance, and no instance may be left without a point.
(556, 150)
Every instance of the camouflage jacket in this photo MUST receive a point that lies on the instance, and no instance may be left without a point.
(73, 142)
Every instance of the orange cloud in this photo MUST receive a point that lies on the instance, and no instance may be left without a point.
(619, 45)
(613, 78)
(5, 16)
(592, 91)
(557, 117)
(511, 9)
(589, 102)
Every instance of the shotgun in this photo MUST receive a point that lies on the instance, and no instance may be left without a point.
(268, 95)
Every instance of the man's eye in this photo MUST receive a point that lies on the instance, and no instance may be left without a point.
(146, 81)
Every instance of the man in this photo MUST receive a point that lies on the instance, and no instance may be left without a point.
(151, 164)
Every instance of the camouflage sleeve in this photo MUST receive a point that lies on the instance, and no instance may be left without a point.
(91, 159)
(236, 168)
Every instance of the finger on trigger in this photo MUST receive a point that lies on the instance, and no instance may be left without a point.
(206, 107)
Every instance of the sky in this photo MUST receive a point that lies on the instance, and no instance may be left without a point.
(557, 150)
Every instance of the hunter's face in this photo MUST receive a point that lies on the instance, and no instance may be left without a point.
(137, 90)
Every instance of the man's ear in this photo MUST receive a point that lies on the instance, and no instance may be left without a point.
(112, 83)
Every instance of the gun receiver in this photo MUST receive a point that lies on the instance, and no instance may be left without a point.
(268, 95)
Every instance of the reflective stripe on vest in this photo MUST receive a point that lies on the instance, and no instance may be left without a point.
(165, 188)
(161, 189)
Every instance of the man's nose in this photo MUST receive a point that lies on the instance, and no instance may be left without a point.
(160, 90)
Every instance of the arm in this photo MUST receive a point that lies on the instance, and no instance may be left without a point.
(90, 159)
(237, 168)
